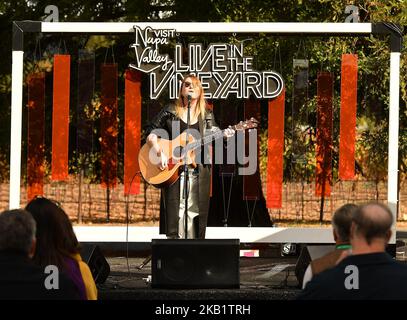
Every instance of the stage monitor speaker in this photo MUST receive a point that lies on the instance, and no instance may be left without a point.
(98, 265)
(195, 263)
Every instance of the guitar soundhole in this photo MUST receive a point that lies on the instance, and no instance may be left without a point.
(178, 152)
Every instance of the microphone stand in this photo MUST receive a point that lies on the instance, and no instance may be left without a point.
(186, 172)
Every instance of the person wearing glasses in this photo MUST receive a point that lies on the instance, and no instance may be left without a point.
(173, 120)
(57, 245)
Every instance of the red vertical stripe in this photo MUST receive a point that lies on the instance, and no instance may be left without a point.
(349, 80)
(36, 135)
(324, 134)
(109, 124)
(132, 110)
(275, 149)
(60, 117)
(251, 183)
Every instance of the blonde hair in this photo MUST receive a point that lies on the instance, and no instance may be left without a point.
(201, 103)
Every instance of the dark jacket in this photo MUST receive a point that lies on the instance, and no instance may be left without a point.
(21, 279)
(379, 278)
(170, 196)
(325, 262)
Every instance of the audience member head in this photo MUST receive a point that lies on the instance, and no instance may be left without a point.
(55, 236)
(17, 232)
(371, 228)
(342, 222)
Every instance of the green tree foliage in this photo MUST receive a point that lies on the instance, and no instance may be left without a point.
(324, 53)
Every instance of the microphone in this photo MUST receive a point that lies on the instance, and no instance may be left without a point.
(189, 96)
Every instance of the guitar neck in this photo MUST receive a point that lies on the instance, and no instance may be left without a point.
(219, 133)
(205, 140)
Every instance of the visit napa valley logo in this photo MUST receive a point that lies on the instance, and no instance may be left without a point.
(222, 68)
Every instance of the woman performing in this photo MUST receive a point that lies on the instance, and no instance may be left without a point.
(173, 119)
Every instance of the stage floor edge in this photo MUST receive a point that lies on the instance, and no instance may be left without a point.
(244, 234)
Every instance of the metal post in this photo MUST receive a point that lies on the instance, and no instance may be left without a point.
(16, 122)
(393, 134)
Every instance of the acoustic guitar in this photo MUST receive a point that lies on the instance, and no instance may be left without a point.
(177, 151)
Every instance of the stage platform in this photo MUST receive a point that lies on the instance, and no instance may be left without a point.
(270, 276)
(260, 279)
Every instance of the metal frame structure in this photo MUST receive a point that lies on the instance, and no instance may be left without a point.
(309, 235)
